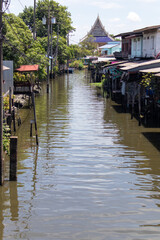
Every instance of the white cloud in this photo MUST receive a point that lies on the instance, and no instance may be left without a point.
(134, 17)
(105, 5)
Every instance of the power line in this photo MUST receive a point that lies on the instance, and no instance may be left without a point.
(74, 41)
(21, 4)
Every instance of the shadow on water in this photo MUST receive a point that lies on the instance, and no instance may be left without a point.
(153, 138)
(118, 108)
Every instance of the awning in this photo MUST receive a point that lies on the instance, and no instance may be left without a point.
(28, 68)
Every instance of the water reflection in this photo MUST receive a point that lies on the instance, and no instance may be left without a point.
(95, 174)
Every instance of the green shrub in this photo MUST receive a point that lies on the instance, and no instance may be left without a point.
(6, 138)
(77, 64)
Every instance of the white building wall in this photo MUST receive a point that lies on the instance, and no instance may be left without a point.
(151, 44)
(158, 42)
(136, 47)
(8, 76)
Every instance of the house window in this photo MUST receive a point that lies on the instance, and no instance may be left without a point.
(135, 45)
(152, 42)
(126, 47)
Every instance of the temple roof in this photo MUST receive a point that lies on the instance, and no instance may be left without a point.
(98, 31)
(103, 39)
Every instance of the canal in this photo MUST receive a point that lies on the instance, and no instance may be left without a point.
(94, 176)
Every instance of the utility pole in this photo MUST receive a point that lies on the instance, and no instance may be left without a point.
(51, 51)
(53, 21)
(56, 53)
(1, 97)
(34, 20)
(67, 58)
(48, 48)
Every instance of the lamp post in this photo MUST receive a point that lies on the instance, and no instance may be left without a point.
(44, 21)
(53, 21)
(34, 21)
(49, 22)
(1, 97)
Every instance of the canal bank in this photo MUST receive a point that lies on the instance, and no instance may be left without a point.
(95, 174)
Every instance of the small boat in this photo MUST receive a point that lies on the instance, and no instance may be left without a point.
(69, 70)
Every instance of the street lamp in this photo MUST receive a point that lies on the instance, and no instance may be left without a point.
(51, 20)
(44, 20)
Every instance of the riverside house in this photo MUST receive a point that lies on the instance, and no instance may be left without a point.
(141, 43)
(110, 48)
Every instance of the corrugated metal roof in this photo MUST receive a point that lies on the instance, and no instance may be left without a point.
(157, 75)
(123, 34)
(108, 46)
(103, 59)
(147, 28)
(127, 64)
(28, 68)
(143, 65)
(138, 30)
(151, 70)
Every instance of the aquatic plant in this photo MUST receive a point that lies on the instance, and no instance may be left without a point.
(6, 138)
(6, 103)
(146, 80)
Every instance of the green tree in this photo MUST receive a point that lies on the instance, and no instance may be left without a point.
(19, 45)
(89, 46)
(62, 27)
(63, 18)
(75, 51)
(18, 37)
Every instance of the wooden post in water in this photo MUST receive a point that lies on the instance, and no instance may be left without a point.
(132, 110)
(1, 96)
(35, 119)
(139, 103)
(13, 158)
(31, 122)
(14, 120)
(10, 108)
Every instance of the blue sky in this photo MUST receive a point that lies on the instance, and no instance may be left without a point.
(116, 15)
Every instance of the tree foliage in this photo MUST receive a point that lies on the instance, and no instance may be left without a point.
(19, 45)
(89, 46)
(63, 18)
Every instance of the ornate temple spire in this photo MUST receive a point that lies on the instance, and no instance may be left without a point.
(98, 32)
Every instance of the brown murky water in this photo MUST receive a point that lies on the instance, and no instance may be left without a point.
(94, 176)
